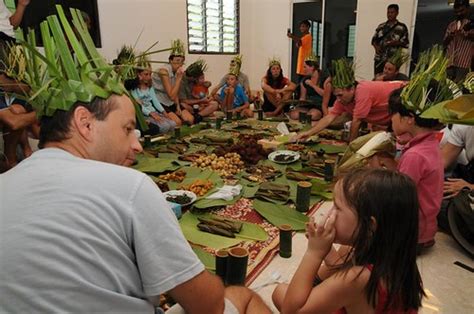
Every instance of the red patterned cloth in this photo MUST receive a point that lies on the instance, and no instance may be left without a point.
(260, 253)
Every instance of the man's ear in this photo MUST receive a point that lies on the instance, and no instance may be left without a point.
(83, 122)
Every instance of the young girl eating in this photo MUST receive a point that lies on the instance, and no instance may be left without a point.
(375, 214)
(156, 117)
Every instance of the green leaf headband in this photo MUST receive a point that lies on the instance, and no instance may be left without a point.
(274, 61)
(177, 48)
(342, 73)
(60, 78)
(196, 68)
(432, 65)
(399, 58)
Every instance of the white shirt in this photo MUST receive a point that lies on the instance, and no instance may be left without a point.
(79, 235)
(5, 25)
(463, 136)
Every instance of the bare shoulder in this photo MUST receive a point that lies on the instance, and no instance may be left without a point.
(163, 72)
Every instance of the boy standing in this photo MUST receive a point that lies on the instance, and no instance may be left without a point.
(304, 44)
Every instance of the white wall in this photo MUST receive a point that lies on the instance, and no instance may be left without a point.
(263, 32)
(370, 13)
(263, 26)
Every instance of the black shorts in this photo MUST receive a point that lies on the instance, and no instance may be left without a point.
(171, 108)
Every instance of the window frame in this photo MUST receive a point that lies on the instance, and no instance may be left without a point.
(221, 33)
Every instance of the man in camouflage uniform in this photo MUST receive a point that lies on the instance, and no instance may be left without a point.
(389, 36)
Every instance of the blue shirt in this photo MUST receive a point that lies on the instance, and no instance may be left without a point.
(148, 100)
(239, 95)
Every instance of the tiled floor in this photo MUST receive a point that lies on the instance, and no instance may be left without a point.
(450, 288)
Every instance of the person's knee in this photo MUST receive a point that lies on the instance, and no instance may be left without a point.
(278, 295)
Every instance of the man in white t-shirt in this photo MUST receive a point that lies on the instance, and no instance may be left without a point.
(460, 138)
(80, 233)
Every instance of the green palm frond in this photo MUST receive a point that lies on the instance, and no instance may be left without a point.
(418, 96)
(342, 73)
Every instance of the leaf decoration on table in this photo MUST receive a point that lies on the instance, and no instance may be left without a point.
(189, 222)
(281, 214)
(206, 258)
(273, 192)
(155, 165)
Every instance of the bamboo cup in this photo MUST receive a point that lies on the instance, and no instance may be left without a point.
(329, 169)
(285, 240)
(229, 116)
(177, 132)
(218, 123)
(303, 117)
(260, 114)
(147, 141)
(221, 264)
(303, 194)
(237, 266)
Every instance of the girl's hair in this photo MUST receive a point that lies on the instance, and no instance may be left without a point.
(274, 81)
(132, 84)
(390, 246)
(395, 106)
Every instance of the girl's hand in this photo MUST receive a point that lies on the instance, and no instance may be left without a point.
(321, 237)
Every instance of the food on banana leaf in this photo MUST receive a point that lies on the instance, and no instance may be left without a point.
(364, 147)
(174, 148)
(284, 158)
(232, 225)
(177, 176)
(220, 225)
(226, 165)
(198, 187)
(330, 134)
(261, 173)
(295, 147)
(275, 191)
(215, 230)
(163, 185)
(296, 176)
(190, 157)
(179, 199)
(247, 147)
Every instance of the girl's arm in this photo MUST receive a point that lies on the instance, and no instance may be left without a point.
(156, 103)
(334, 293)
(320, 239)
(146, 112)
(171, 91)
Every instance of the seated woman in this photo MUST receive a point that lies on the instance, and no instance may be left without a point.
(311, 92)
(157, 119)
(167, 84)
(276, 89)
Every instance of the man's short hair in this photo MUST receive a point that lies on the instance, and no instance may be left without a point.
(393, 6)
(56, 128)
(305, 22)
(461, 3)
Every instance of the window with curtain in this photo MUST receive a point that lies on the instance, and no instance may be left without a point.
(213, 26)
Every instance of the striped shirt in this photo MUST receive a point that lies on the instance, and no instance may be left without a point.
(460, 48)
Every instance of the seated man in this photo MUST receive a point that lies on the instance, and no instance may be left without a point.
(85, 234)
(391, 69)
(365, 101)
(461, 137)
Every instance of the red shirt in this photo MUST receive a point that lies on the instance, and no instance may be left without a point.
(370, 102)
(421, 160)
